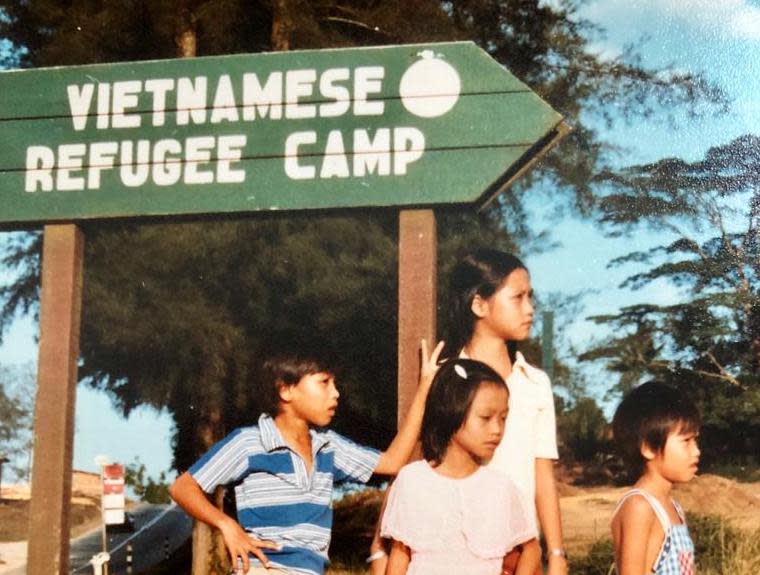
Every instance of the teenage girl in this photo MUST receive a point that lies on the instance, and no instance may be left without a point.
(491, 308)
(448, 513)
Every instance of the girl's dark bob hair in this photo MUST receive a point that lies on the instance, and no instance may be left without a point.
(647, 416)
(449, 400)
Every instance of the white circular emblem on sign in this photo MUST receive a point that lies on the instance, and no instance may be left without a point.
(430, 87)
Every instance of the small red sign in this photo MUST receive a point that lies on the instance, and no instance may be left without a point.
(113, 479)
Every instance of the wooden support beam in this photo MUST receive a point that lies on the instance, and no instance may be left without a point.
(60, 313)
(416, 297)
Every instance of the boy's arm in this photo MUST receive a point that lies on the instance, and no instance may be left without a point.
(400, 449)
(398, 562)
(190, 497)
(530, 558)
(547, 505)
(637, 519)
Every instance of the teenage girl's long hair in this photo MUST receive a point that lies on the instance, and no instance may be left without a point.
(482, 273)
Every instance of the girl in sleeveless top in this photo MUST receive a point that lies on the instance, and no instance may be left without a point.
(655, 429)
(676, 554)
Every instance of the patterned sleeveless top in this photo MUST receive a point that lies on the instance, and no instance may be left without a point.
(676, 556)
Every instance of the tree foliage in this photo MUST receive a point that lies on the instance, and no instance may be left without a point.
(708, 341)
(144, 486)
(16, 417)
(582, 430)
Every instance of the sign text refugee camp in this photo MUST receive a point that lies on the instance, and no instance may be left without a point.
(386, 126)
(117, 106)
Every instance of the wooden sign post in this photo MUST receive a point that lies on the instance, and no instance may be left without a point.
(48, 550)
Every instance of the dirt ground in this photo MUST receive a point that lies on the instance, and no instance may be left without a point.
(586, 512)
(14, 519)
(84, 511)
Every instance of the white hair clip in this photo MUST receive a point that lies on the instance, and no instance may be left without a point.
(460, 371)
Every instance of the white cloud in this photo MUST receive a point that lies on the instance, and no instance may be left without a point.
(747, 23)
(734, 18)
(726, 19)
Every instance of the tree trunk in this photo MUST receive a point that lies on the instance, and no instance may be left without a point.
(185, 35)
(210, 555)
(282, 25)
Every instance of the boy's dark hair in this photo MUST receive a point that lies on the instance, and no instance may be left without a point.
(481, 272)
(449, 400)
(286, 361)
(647, 416)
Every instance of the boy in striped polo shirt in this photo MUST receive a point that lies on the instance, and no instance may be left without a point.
(284, 468)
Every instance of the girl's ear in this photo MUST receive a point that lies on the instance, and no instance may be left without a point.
(479, 306)
(647, 452)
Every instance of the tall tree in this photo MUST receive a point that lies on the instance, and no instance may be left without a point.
(708, 341)
(16, 417)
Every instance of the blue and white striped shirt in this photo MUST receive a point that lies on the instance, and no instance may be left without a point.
(277, 498)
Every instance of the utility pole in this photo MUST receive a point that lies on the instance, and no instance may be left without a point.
(3, 459)
(547, 343)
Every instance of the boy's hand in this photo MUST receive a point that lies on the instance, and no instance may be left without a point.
(429, 366)
(240, 544)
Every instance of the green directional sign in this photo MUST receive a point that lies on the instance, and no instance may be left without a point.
(391, 126)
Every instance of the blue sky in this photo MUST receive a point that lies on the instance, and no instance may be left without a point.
(720, 38)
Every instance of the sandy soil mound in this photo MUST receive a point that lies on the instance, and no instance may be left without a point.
(586, 512)
(712, 494)
(85, 511)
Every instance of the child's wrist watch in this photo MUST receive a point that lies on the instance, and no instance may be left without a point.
(558, 552)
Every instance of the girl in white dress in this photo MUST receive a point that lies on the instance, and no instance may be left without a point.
(448, 514)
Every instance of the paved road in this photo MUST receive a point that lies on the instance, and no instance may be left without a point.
(159, 530)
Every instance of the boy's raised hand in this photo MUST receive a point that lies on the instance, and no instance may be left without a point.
(401, 447)
(240, 543)
(429, 362)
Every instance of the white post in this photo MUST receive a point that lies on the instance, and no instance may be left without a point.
(99, 563)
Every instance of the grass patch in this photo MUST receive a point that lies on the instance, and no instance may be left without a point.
(720, 549)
